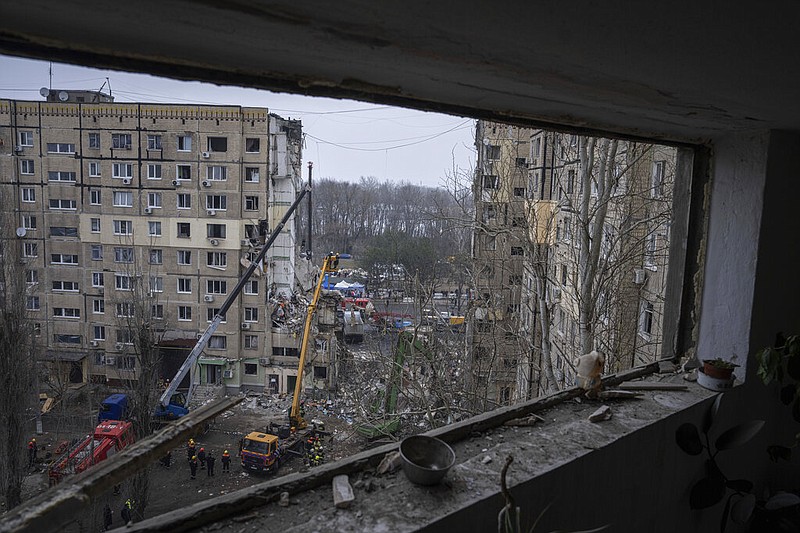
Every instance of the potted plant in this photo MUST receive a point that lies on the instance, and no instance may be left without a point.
(718, 368)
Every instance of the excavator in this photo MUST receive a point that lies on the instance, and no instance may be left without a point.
(265, 451)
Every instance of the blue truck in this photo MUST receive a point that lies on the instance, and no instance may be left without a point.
(115, 407)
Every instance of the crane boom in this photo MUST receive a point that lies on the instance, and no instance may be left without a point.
(164, 401)
(330, 264)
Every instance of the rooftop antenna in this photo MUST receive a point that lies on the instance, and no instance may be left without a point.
(99, 91)
(51, 75)
(109, 86)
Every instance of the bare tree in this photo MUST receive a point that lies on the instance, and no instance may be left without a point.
(18, 351)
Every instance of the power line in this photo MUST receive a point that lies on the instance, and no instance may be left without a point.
(425, 139)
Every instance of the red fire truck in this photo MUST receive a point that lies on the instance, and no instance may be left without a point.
(110, 436)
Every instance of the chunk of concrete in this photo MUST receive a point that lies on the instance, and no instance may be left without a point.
(391, 462)
(284, 501)
(604, 413)
(342, 492)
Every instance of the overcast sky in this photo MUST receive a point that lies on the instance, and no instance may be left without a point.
(345, 139)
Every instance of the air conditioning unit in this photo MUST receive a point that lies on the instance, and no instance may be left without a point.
(206, 155)
(199, 335)
(94, 343)
(126, 181)
(206, 183)
(245, 242)
(214, 242)
(228, 374)
(264, 361)
(639, 276)
(211, 212)
(245, 325)
(111, 360)
(18, 149)
(176, 183)
(208, 298)
(556, 294)
(148, 210)
(119, 346)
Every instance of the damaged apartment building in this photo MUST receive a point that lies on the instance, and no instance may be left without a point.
(570, 254)
(178, 197)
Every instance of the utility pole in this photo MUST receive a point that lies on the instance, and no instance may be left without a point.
(310, 211)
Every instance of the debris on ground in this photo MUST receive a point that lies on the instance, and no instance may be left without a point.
(390, 463)
(602, 414)
(342, 492)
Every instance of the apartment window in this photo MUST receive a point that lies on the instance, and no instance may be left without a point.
(125, 309)
(94, 169)
(570, 181)
(58, 175)
(250, 369)
(94, 224)
(154, 228)
(29, 222)
(515, 279)
(32, 303)
(123, 255)
(183, 172)
(66, 312)
(122, 170)
(30, 249)
(216, 286)
(517, 250)
(123, 227)
(185, 285)
(251, 203)
(646, 319)
(63, 231)
(250, 343)
(157, 311)
(184, 257)
(154, 142)
(211, 312)
(154, 200)
(156, 257)
(153, 171)
(184, 143)
(156, 284)
(218, 342)
(492, 152)
(252, 145)
(251, 314)
(489, 242)
(28, 194)
(97, 252)
(63, 204)
(65, 286)
(123, 199)
(217, 259)
(489, 213)
(184, 201)
(184, 312)
(125, 336)
(184, 230)
(491, 182)
(94, 196)
(99, 333)
(564, 275)
(217, 144)
(60, 148)
(216, 231)
(98, 306)
(217, 173)
(64, 259)
(98, 280)
(519, 192)
(26, 138)
(31, 276)
(659, 167)
(122, 282)
(26, 166)
(121, 141)
(567, 233)
(251, 287)
(217, 202)
(252, 174)
(650, 244)
(320, 372)
(66, 338)
(94, 141)
(521, 162)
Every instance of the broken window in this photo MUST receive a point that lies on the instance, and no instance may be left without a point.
(217, 144)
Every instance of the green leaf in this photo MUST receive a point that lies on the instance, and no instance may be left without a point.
(711, 414)
(782, 500)
(788, 393)
(739, 485)
(738, 435)
(688, 439)
(777, 452)
(707, 492)
(742, 509)
(769, 364)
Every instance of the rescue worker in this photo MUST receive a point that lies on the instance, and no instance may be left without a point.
(226, 461)
(193, 466)
(190, 449)
(127, 515)
(108, 517)
(31, 451)
(211, 460)
(201, 456)
(167, 459)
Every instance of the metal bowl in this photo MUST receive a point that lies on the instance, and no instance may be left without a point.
(426, 460)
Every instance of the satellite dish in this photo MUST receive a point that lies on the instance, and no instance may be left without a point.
(21, 232)
(44, 91)
(63, 96)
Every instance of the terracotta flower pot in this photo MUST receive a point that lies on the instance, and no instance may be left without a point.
(711, 370)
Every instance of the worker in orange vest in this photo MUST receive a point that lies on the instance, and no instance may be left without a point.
(226, 461)
(190, 449)
(31, 452)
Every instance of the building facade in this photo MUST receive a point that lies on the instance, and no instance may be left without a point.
(178, 199)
